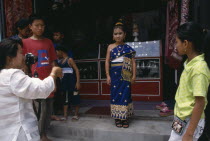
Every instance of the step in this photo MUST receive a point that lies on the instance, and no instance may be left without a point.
(138, 114)
(61, 139)
(103, 129)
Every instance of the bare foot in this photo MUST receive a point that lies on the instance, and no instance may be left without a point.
(54, 117)
(45, 138)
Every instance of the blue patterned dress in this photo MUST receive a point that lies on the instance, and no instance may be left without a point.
(121, 74)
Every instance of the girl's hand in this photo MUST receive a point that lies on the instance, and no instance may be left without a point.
(187, 137)
(133, 80)
(108, 80)
(77, 86)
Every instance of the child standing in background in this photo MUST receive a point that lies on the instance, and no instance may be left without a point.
(70, 83)
(22, 30)
(43, 48)
(58, 39)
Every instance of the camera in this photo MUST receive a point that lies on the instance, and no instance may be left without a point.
(30, 59)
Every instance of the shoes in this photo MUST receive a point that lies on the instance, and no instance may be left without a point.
(125, 123)
(161, 106)
(75, 118)
(164, 112)
(118, 123)
(121, 123)
(63, 119)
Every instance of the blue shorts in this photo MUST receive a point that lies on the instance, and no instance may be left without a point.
(69, 98)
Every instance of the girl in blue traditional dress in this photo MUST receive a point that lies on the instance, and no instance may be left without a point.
(120, 72)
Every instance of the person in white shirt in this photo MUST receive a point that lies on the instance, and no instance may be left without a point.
(17, 118)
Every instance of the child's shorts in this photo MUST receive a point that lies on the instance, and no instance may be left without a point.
(69, 98)
(199, 130)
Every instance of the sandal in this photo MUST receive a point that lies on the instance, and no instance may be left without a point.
(63, 119)
(161, 106)
(125, 123)
(166, 112)
(118, 123)
(75, 118)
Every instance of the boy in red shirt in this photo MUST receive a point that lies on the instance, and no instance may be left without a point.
(44, 50)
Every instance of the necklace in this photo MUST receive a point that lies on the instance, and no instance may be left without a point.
(120, 50)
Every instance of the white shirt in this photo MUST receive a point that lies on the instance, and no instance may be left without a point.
(16, 93)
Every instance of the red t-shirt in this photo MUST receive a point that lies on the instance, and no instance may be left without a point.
(46, 54)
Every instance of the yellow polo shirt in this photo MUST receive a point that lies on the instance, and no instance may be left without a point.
(194, 82)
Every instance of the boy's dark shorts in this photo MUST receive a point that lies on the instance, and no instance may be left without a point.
(70, 99)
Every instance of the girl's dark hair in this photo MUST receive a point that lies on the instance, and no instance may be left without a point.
(192, 32)
(8, 48)
(62, 48)
(120, 26)
(34, 17)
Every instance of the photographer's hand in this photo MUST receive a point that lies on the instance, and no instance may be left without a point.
(56, 72)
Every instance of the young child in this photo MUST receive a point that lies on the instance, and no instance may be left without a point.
(120, 70)
(22, 29)
(70, 83)
(44, 50)
(191, 95)
(58, 39)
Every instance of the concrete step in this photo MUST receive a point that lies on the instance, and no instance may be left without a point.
(61, 139)
(103, 129)
(138, 114)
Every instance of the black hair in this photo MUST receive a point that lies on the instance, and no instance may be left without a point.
(194, 33)
(58, 30)
(120, 26)
(8, 48)
(62, 48)
(22, 23)
(34, 17)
